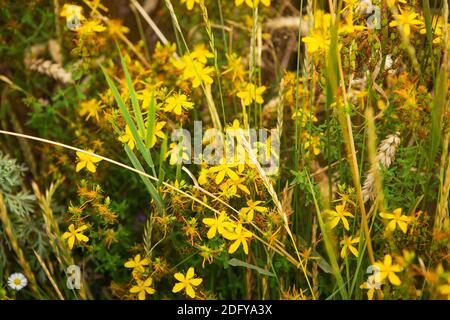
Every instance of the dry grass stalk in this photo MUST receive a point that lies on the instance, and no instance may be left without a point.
(442, 209)
(62, 254)
(7, 227)
(49, 275)
(287, 22)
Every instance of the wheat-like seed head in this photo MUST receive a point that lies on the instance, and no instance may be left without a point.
(385, 157)
(50, 68)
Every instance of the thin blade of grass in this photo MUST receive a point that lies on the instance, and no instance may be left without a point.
(329, 247)
(150, 187)
(437, 114)
(239, 263)
(134, 131)
(151, 116)
(133, 97)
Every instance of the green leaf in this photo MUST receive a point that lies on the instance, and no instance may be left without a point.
(239, 263)
(139, 143)
(126, 114)
(322, 263)
(150, 187)
(437, 113)
(151, 119)
(134, 101)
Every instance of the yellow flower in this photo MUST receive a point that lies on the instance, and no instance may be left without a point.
(187, 282)
(251, 93)
(178, 152)
(249, 212)
(207, 254)
(195, 71)
(371, 285)
(190, 3)
(235, 67)
(347, 244)
(90, 27)
(71, 11)
(339, 214)
(143, 287)
(137, 264)
(397, 219)
(388, 270)
(406, 19)
(219, 224)
(252, 3)
(393, 2)
(115, 27)
(223, 170)
(86, 160)
(127, 138)
(91, 108)
(201, 53)
(237, 184)
(203, 176)
(305, 117)
(445, 289)
(318, 41)
(313, 143)
(157, 132)
(240, 235)
(322, 20)
(75, 234)
(198, 73)
(349, 27)
(438, 25)
(177, 102)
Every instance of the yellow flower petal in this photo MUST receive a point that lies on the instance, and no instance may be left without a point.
(178, 287)
(135, 289)
(234, 246)
(82, 237)
(179, 276)
(394, 279)
(71, 242)
(190, 291)
(91, 167)
(80, 165)
(190, 273)
(196, 281)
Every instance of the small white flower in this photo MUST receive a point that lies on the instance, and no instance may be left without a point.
(17, 281)
(364, 7)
